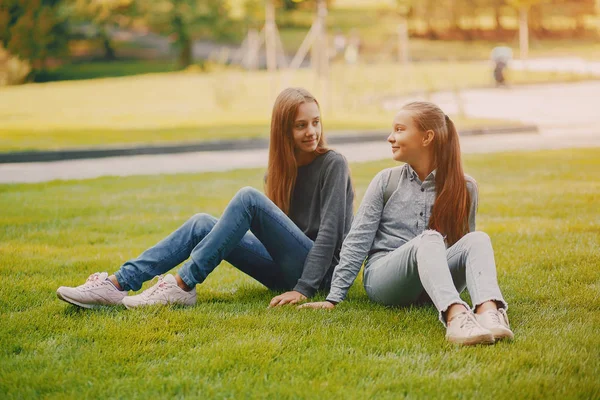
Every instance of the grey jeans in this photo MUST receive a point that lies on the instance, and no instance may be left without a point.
(425, 265)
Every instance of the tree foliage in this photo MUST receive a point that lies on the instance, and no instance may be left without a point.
(104, 15)
(186, 20)
(33, 30)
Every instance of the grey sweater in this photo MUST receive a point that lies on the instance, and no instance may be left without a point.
(322, 207)
(380, 228)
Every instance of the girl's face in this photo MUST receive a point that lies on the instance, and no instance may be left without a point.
(408, 142)
(307, 128)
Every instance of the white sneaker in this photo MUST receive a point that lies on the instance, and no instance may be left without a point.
(464, 329)
(96, 291)
(165, 291)
(497, 322)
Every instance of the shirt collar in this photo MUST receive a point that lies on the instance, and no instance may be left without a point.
(413, 175)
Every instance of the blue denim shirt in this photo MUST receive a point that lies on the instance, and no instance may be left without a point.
(380, 228)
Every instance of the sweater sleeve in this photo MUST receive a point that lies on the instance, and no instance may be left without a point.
(474, 194)
(333, 201)
(360, 238)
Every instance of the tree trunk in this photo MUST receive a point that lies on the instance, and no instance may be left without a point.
(185, 52)
(497, 16)
(109, 51)
(403, 48)
(523, 33)
(183, 41)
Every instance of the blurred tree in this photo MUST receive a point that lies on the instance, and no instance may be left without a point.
(185, 20)
(33, 30)
(254, 13)
(497, 6)
(523, 7)
(289, 5)
(104, 15)
(404, 10)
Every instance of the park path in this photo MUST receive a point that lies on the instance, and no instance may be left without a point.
(568, 115)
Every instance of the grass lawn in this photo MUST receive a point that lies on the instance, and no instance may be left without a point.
(21, 140)
(540, 209)
(175, 107)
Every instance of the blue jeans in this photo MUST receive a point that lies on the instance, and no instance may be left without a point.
(273, 252)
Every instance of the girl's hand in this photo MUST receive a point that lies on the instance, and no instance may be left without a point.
(292, 297)
(319, 304)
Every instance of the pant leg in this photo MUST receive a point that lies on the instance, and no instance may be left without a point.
(166, 254)
(250, 210)
(472, 265)
(249, 256)
(252, 258)
(400, 277)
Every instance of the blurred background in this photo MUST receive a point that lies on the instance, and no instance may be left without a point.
(81, 73)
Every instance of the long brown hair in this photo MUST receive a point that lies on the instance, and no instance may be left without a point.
(282, 168)
(450, 214)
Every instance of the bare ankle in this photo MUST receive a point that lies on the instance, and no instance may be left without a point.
(486, 306)
(181, 283)
(455, 309)
(115, 282)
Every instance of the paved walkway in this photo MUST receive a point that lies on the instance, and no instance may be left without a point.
(228, 160)
(567, 115)
(563, 64)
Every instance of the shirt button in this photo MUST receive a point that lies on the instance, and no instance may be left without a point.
(421, 214)
(422, 190)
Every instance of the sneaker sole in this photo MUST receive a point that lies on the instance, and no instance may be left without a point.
(482, 339)
(132, 306)
(76, 303)
(83, 305)
(503, 335)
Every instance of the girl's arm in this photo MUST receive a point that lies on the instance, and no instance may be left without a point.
(360, 238)
(334, 200)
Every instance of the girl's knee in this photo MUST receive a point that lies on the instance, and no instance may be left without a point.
(478, 238)
(202, 221)
(431, 236)
(428, 240)
(248, 195)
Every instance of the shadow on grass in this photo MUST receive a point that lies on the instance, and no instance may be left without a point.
(104, 69)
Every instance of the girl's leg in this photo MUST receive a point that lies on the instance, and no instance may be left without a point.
(165, 255)
(251, 257)
(400, 277)
(472, 265)
(471, 262)
(100, 288)
(283, 241)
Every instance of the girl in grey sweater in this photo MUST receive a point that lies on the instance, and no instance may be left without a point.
(288, 239)
(416, 230)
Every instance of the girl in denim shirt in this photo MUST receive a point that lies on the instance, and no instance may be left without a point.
(288, 239)
(416, 229)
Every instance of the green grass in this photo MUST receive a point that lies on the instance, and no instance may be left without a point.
(185, 106)
(25, 140)
(540, 209)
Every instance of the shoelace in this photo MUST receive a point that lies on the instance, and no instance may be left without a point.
(93, 280)
(159, 286)
(495, 317)
(468, 322)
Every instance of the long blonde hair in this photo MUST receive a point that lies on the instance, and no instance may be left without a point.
(450, 214)
(282, 168)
